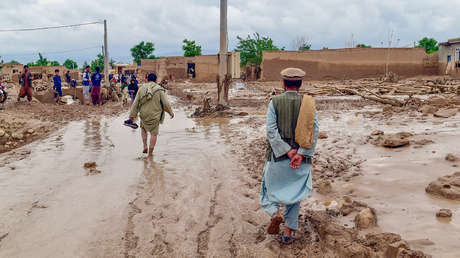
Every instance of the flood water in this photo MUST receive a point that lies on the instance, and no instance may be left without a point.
(49, 207)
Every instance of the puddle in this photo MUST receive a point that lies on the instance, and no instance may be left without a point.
(394, 184)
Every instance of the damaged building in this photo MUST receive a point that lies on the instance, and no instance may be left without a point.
(449, 56)
(198, 68)
(350, 63)
(11, 72)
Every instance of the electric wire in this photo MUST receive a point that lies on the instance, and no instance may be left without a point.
(51, 27)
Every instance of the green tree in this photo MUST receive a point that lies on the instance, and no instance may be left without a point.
(301, 43)
(43, 61)
(99, 61)
(143, 50)
(13, 62)
(430, 45)
(305, 46)
(363, 46)
(191, 48)
(251, 48)
(70, 64)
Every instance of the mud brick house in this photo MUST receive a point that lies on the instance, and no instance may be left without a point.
(11, 72)
(450, 52)
(198, 69)
(125, 68)
(350, 63)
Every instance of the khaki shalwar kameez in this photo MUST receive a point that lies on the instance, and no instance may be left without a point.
(151, 104)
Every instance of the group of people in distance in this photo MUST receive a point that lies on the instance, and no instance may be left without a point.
(91, 83)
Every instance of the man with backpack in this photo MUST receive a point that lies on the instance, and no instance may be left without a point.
(151, 104)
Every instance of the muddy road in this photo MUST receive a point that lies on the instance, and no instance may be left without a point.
(188, 200)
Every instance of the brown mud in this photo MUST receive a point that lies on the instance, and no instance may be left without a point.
(198, 195)
(22, 122)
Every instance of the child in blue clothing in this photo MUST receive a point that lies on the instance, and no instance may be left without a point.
(57, 86)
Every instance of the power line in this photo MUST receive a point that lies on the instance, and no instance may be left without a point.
(54, 52)
(51, 27)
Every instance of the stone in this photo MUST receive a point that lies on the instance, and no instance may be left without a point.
(395, 141)
(452, 158)
(428, 109)
(17, 136)
(446, 113)
(324, 187)
(444, 213)
(30, 131)
(323, 135)
(446, 186)
(437, 101)
(2, 133)
(366, 219)
(377, 132)
(394, 249)
(90, 165)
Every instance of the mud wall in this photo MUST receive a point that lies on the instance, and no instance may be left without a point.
(206, 67)
(352, 63)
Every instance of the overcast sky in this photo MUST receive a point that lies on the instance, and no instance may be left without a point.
(327, 23)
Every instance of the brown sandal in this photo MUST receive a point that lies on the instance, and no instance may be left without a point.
(274, 228)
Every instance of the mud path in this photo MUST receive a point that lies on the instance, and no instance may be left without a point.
(189, 200)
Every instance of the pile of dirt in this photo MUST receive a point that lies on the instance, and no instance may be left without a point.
(21, 123)
(393, 140)
(446, 186)
(41, 85)
(17, 133)
(322, 236)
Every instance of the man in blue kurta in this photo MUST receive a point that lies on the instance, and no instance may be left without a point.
(287, 178)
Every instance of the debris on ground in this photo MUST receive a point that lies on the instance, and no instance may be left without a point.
(90, 168)
(446, 113)
(366, 218)
(446, 186)
(444, 213)
(452, 158)
(393, 140)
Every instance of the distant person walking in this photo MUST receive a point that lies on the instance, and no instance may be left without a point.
(26, 85)
(96, 89)
(86, 85)
(292, 130)
(151, 103)
(132, 89)
(68, 79)
(57, 86)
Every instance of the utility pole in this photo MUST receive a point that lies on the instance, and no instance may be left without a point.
(223, 83)
(106, 56)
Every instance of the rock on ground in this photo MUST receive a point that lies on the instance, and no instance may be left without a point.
(393, 140)
(452, 158)
(446, 113)
(444, 213)
(366, 219)
(446, 186)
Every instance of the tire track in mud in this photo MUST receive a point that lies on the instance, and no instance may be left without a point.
(213, 220)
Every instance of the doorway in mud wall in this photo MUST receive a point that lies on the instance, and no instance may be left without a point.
(191, 72)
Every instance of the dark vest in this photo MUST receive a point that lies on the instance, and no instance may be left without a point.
(287, 107)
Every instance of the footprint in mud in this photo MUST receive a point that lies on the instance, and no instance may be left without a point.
(36, 205)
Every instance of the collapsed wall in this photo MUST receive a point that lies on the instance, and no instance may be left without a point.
(351, 63)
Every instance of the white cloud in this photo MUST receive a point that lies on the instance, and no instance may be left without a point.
(167, 22)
